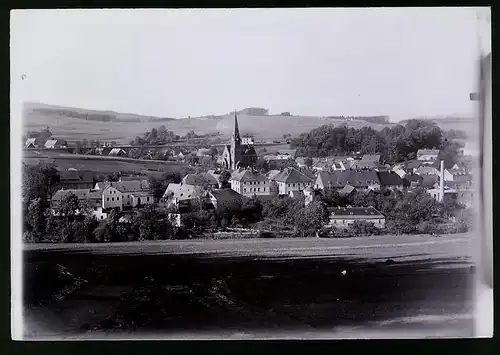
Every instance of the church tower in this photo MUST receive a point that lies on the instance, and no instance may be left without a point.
(235, 144)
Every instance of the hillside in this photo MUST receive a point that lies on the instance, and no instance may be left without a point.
(74, 124)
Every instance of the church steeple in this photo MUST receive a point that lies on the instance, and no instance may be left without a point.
(236, 132)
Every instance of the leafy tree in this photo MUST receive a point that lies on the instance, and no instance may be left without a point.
(192, 159)
(224, 178)
(309, 162)
(36, 220)
(68, 206)
(311, 219)
(38, 181)
(360, 228)
(450, 153)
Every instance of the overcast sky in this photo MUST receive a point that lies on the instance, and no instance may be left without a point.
(175, 63)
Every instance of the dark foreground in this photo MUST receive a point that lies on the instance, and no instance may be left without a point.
(97, 295)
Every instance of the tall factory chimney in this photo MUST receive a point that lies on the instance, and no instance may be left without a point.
(441, 182)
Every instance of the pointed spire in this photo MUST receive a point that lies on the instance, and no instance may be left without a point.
(236, 132)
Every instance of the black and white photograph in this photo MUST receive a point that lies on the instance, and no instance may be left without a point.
(251, 173)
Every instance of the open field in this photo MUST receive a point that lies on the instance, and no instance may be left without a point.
(119, 130)
(105, 165)
(251, 288)
(406, 247)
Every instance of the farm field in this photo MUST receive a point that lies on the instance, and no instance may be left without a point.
(240, 289)
(261, 127)
(105, 166)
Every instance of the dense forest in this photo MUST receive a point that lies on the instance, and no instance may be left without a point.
(395, 144)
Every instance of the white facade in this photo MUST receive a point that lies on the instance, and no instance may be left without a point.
(345, 222)
(250, 188)
(286, 188)
(138, 199)
(247, 140)
(112, 198)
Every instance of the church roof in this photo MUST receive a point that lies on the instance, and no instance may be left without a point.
(236, 132)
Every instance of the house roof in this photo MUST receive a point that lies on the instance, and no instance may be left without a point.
(182, 191)
(272, 173)
(30, 141)
(199, 179)
(130, 186)
(391, 179)
(225, 195)
(428, 152)
(364, 164)
(247, 175)
(346, 190)
(291, 175)
(115, 151)
(351, 212)
(76, 176)
(348, 177)
(371, 157)
(457, 172)
(101, 185)
(428, 180)
(426, 170)
(51, 143)
(413, 164)
(415, 177)
(81, 194)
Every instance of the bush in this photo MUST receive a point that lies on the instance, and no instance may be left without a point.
(361, 228)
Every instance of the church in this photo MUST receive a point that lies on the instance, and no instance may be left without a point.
(238, 155)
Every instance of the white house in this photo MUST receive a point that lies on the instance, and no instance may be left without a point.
(343, 217)
(248, 182)
(112, 198)
(290, 179)
(427, 154)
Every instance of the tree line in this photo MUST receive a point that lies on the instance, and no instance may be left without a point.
(395, 144)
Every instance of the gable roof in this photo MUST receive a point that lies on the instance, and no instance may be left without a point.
(272, 173)
(428, 180)
(116, 151)
(391, 179)
(89, 195)
(182, 191)
(346, 190)
(82, 176)
(130, 186)
(31, 141)
(291, 175)
(200, 179)
(50, 143)
(426, 170)
(415, 177)
(225, 195)
(247, 175)
(364, 164)
(348, 177)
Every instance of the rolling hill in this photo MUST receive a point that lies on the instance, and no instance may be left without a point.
(77, 124)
